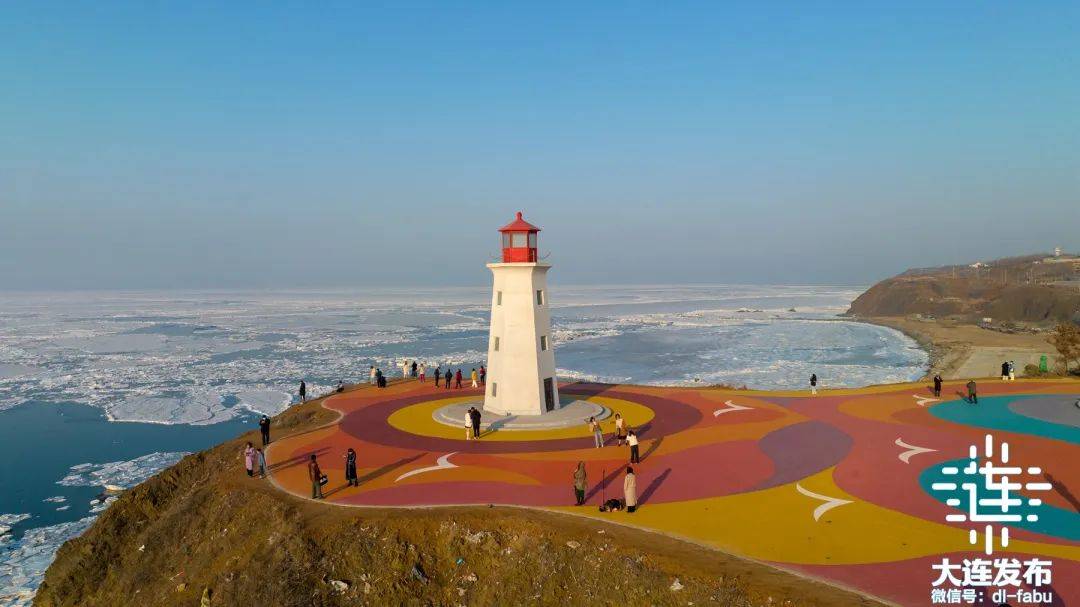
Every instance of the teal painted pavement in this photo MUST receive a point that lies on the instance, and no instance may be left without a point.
(993, 413)
(1053, 521)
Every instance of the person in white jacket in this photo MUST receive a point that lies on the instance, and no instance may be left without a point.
(629, 486)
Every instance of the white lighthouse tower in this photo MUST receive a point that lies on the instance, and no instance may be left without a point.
(521, 360)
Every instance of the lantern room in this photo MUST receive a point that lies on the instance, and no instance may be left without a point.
(519, 241)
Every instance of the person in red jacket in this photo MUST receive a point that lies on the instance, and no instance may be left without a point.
(457, 379)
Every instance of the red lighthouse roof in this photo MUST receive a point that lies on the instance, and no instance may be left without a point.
(519, 225)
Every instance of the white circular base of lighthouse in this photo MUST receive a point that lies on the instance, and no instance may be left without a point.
(571, 413)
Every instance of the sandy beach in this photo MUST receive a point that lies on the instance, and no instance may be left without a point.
(959, 351)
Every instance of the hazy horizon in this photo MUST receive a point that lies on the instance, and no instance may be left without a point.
(203, 146)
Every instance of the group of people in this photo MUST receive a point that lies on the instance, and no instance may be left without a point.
(478, 378)
(319, 479)
(623, 436)
(1008, 371)
(255, 457)
(472, 423)
(629, 500)
(417, 370)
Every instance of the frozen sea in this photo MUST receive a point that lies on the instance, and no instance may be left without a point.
(132, 380)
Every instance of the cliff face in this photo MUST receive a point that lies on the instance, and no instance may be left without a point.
(203, 533)
(975, 293)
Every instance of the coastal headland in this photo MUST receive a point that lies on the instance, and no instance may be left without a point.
(747, 498)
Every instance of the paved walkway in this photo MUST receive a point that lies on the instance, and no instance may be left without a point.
(835, 486)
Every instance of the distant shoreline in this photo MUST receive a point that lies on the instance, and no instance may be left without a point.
(962, 351)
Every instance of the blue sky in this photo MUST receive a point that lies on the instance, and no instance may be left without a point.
(146, 145)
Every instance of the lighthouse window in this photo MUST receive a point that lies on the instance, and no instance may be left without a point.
(518, 240)
(543, 343)
(532, 240)
(496, 344)
(539, 298)
(498, 298)
(506, 241)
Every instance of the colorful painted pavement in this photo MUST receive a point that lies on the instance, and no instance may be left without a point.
(835, 486)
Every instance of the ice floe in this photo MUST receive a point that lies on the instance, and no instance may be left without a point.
(123, 474)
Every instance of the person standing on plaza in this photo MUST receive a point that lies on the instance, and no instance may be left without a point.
(350, 468)
(937, 385)
(973, 396)
(630, 489)
(315, 473)
(813, 383)
(457, 379)
(483, 375)
(475, 422)
(423, 373)
(303, 392)
(580, 484)
(632, 440)
(438, 374)
(474, 377)
(413, 369)
(371, 375)
(468, 421)
(597, 432)
(620, 430)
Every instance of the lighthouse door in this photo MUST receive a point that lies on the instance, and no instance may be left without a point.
(549, 395)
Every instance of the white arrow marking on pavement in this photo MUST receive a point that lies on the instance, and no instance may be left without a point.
(730, 407)
(830, 502)
(922, 401)
(912, 450)
(443, 463)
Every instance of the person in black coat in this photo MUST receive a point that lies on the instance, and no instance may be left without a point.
(438, 374)
(264, 427)
(474, 415)
(350, 468)
(937, 385)
(303, 391)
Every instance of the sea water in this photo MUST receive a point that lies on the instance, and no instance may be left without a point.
(108, 388)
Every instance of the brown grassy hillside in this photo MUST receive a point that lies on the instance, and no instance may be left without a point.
(203, 528)
(1018, 289)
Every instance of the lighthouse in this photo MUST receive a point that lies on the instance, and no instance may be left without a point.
(521, 359)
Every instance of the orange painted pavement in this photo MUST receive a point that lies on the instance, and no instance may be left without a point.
(828, 486)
